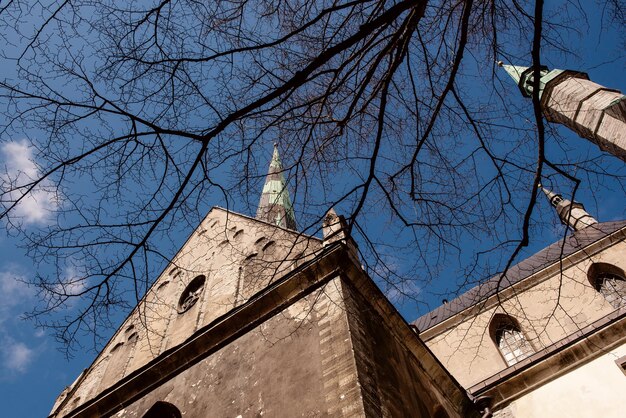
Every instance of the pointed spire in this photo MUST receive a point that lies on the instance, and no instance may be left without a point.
(553, 198)
(572, 214)
(523, 77)
(514, 71)
(275, 204)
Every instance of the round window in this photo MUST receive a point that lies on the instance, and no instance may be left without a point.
(191, 294)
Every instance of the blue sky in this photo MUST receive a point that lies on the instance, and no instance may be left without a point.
(32, 369)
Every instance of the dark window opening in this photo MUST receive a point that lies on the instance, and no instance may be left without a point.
(268, 247)
(162, 410)
(191, 294)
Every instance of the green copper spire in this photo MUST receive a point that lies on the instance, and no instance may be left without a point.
(514, 71)
(275, 204)
(523, 76)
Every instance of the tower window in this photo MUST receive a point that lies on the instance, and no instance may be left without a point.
(509, 339)
(191, 294)
(609, 281)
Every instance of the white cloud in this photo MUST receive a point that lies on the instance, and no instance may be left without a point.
(13, 293)
(400, 292)
(65, 293)
(16, 356)
(19, 170)
(72, 283)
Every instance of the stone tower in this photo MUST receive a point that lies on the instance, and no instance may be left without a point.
(572, 214)
(570, 98)
(253, 319)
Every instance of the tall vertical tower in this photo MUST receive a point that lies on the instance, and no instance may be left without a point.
(572, 214)
(570, 98)
(252, 318)
(275, 204)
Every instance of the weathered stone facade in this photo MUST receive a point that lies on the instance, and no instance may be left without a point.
(283, 326)
(570, 98)
(589, 109)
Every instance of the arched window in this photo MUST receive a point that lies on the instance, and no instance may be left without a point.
(162, 410)
(269, 247)
(191, 294)
(609, 281)
(162, 286)
(509, 339)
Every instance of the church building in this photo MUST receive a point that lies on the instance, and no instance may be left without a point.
(548, 337)
(254, 319)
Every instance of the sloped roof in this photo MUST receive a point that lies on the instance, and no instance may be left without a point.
(538, 261)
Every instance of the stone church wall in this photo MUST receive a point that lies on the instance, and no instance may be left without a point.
(393, 380)
(553, 308)
(223, 249)
(296, 364)
(594, 389)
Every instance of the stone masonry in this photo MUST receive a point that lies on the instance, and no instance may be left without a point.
(589, 109)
